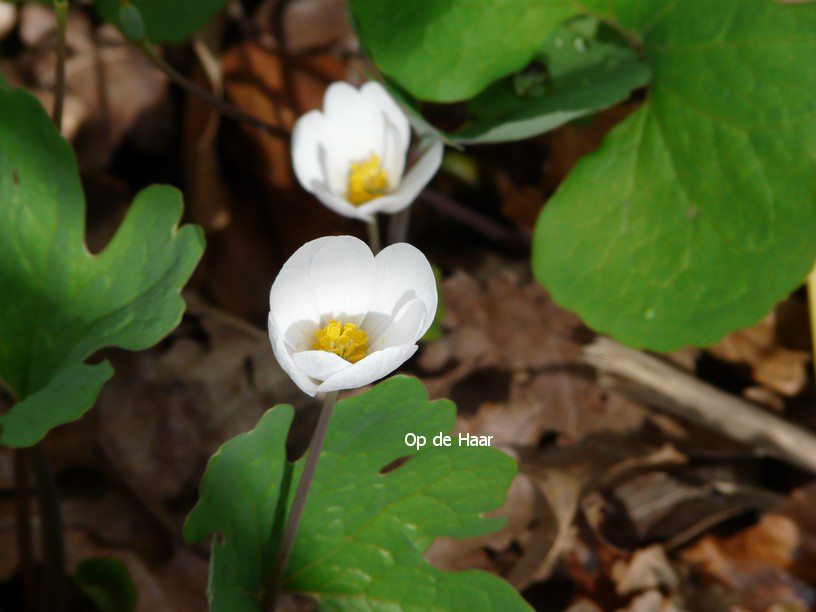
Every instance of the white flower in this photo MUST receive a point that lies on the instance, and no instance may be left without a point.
(351, 156)
(340, 318)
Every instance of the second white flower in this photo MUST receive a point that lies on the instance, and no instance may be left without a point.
(352, 155)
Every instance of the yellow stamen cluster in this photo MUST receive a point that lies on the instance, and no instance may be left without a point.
(347, 341)
(366, 181)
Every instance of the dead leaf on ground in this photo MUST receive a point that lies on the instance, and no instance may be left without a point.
(509, 384)
(213, 381)
(772, 562)
(648, 569)
(782, 369)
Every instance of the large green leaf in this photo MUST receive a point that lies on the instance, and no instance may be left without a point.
(580, 69)
(698, 212)
(166, 20)
(581, 73)
(363, 534)
(60, 303)
(449, 50)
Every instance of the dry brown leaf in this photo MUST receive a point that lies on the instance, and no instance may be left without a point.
(317, 24)
(519, 385)
(770, 563)
(779, 368)
(213, 382)
(260, 82)
(551, 538)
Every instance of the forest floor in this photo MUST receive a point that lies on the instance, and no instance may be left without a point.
(626, 498)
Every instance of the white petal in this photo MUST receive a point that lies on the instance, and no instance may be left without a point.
(343, 207)
(307, 137)
(354, 131)
(302, 258)
(402, 274)
(416, 179)
(342, 274)
(292, 306)
(396, 133)
(406, 327)
(392, 156)
(284, 356)
(388, 204)
(380, 100)
(319, 365)
(370, 368)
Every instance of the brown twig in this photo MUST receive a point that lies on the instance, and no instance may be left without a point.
(664, 386)
(475, 220)
(221, 105)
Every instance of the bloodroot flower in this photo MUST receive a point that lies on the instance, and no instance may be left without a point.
(352, 155)
(341, 318)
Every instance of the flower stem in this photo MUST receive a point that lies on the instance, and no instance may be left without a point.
(398, 226)
(61, 12)
(299, 503)
(53, 544)
(222, 106)
(374, 236)
(25, 550)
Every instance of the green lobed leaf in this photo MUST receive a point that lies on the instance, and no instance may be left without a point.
(61, 303)
(582, 73)
(698, 212)
(164, 20)
(581, 69)
(363, 535)
(450, 50)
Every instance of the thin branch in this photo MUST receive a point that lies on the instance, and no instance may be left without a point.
(299, 503)
(480, 223)
(663, 386)
(221, 105)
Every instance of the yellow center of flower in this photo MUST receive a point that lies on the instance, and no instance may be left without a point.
(347, 341)
(366, 180)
